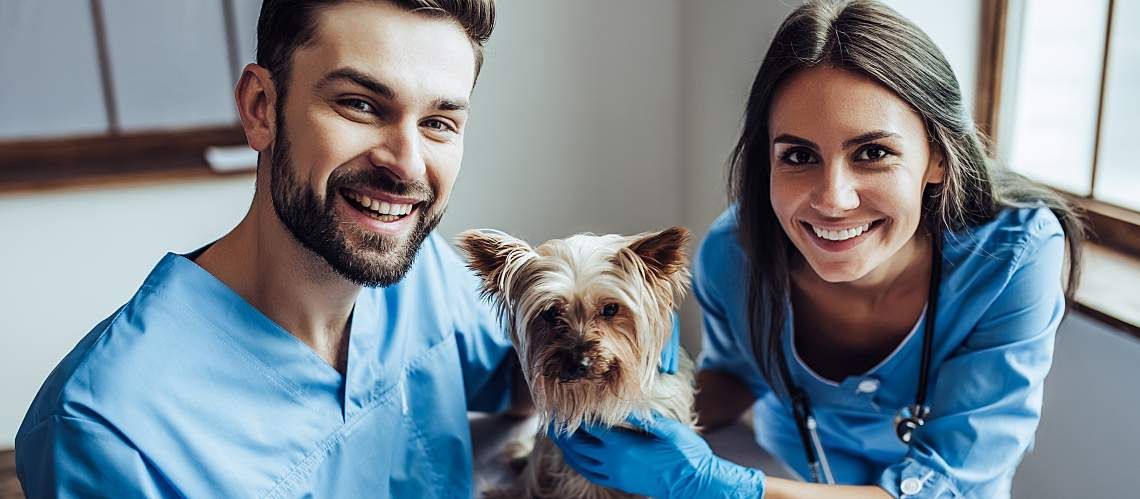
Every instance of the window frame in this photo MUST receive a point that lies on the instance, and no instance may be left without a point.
(1114, 228)
(116, 157)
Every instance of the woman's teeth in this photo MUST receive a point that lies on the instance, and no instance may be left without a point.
(381, 208)
(841, 234)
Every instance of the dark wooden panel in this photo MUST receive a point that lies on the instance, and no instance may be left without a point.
(37, 164)
(9, 486)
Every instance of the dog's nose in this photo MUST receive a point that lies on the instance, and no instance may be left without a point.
(575, 365)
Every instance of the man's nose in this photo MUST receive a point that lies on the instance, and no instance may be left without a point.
(400, 151)
(837, 191)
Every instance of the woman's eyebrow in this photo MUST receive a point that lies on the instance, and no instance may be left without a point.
(792, 139)
(868, 137)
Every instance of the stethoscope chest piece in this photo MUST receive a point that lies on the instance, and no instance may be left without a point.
(908, 420)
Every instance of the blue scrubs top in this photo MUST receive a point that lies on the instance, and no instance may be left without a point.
(188, 391)
(1000, 302)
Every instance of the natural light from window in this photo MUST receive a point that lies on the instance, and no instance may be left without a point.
(1056, 89)
(1118, 169)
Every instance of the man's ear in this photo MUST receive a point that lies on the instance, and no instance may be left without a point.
(256, 98)
(494, 256)
(664, 253)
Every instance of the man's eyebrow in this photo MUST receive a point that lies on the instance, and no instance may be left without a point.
(451, 104)
(348, 74)
(868, 137)
(377, 87)
(792, 139)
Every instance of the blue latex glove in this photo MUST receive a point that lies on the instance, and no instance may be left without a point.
(665, 459)
(671, 352)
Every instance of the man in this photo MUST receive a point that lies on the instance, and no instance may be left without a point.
(329, 345)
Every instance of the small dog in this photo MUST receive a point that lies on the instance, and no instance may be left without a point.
(589, 316)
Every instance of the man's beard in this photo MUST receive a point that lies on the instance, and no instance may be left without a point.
(361, 256)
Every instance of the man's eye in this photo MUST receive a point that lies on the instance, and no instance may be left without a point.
(359, 105)
(798, 156)
(439, 125)
(872, 152)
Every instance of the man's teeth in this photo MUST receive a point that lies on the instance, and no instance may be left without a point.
(381, 207)
(841, 234)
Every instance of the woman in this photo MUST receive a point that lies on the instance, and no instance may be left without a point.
(896, 322)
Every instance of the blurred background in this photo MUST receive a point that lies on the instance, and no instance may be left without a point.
(590, 115)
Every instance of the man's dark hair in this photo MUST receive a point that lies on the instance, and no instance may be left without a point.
(285, 25)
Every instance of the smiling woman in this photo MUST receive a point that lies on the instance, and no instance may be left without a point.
(900, 290)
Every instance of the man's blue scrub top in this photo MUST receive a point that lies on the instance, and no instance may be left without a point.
(188, 391)
(998, 310)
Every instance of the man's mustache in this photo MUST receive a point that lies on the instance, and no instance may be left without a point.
(383, 181)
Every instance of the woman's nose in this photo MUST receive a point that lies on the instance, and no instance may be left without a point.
(400, 152)
(837, 191)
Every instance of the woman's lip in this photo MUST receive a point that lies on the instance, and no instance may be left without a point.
(838, 246)
(840, 226)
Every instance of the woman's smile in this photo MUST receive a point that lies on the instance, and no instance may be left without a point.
(839, 237)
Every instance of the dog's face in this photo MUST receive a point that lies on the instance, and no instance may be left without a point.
(588, 315)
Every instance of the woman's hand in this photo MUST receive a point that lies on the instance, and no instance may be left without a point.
(660, 458)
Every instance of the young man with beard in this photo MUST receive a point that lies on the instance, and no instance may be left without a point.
(329, 345)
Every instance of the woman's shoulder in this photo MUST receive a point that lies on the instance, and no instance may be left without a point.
(721, 246)
(982, 259)
(1011, 233)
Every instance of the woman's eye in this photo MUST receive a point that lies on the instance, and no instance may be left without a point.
(359, 105)
(799, 156)
(610, 310)
(872, 153)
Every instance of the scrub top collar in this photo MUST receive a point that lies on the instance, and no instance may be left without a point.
(276, 351)
(824, 391)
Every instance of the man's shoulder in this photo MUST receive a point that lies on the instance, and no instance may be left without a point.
(439, 273)
(119, 358)
(68, 386)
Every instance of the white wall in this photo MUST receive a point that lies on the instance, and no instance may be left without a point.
(575, 127)
(725, 42)
(70, 258)
(575, 121)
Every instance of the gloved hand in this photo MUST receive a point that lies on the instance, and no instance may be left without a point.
(662, 458)
(672, 349)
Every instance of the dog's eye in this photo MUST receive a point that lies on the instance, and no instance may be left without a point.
(551, 314)
(610, 310)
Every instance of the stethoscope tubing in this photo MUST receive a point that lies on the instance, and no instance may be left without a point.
(817, 461)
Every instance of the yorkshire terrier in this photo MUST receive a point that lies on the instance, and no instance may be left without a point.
(589, 317)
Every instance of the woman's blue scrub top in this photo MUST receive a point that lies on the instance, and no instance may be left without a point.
(1000, 302)
(188, 391)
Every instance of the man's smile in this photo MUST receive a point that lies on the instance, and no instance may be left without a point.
(381, 212)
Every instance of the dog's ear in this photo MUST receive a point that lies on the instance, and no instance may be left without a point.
(664, 253)
(493, 255)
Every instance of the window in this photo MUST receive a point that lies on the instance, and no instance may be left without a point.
(98, 90)
(1062, 106)
(1057, 94)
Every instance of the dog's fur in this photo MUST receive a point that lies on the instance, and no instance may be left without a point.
(589, 316)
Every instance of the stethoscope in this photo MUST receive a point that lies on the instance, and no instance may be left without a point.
(907, 420)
